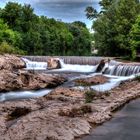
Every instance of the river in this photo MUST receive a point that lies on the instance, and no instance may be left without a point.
(125, 125)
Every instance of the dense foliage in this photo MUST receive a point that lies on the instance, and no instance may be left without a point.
(135, 38)
(22, 31)
(115, 26)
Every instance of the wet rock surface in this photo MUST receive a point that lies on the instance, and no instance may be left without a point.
(22, 80)
(13, 77)
(11, 62)
(95, 80)
(63, 114)
(53, 63)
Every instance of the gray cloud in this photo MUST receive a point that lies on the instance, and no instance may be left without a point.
(67, 10)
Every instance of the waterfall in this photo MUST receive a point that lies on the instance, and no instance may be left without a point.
(32, 65)
(76, 67)
(82, 64)
(123, 70)
(81, 60)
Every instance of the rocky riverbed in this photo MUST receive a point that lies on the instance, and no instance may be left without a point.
(64, 114)
(14, 77)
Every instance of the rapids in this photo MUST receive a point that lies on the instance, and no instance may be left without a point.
(115, 71)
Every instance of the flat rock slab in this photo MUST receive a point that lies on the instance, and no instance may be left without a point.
(95, 80)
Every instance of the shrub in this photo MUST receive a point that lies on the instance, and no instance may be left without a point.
(75, 111)
(7, 48)
(89, 95)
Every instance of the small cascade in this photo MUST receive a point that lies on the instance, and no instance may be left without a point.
(77, 68)
(81, 60)
(35, 65)
(123, 70)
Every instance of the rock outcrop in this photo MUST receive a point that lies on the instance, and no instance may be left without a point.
(95, 80)
(25, 80)
(13, 77)
(53, 63)
(11, 62)
(55, 118)
(102, 64)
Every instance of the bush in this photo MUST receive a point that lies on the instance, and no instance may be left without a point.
(7, 48)
(75, 111)
(89, 95)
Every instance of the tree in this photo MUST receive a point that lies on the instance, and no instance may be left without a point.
(39, 35)
(135, 38)
(112, 26)
(8, 35)
(91, 13)
(11, 14)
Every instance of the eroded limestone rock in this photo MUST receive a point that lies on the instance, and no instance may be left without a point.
(53, 63)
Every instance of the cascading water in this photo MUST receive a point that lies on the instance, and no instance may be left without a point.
(113, 68)
(77, 68)
(115, 71)
(35, 65)
(123, 70)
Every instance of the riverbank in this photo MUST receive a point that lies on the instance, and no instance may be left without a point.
(123, 126)
(63, 114)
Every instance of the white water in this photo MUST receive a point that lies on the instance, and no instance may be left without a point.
(77, 68)
(32, 65)
(113, 80)
(13, 95)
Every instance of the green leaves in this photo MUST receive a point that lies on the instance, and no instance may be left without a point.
(91, 13)
(37, 35)
(113, 25)
(135, 38)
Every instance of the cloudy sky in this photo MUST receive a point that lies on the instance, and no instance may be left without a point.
(66, 10)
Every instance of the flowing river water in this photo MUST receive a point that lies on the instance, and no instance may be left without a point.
(125, 125)
(115, 71)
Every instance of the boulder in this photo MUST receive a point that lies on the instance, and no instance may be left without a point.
(53, 63)
(11, 62)
(20, 80)
(102, 65)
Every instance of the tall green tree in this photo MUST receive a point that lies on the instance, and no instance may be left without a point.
(113, 24)
(39, 35)
(135, 38)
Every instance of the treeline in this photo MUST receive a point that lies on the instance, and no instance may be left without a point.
(117, 27)
(24, 32)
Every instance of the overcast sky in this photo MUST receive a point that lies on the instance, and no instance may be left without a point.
(66, 10)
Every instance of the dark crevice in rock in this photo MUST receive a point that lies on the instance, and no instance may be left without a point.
(18, 112)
